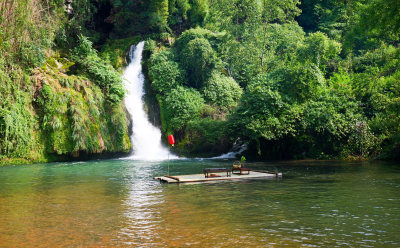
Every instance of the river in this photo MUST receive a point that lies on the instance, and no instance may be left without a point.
(116, 203)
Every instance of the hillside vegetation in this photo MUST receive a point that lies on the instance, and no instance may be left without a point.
(58, 98)
(310, 79)
(291, 79)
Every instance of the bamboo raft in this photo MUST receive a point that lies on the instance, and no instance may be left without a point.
(217, 177)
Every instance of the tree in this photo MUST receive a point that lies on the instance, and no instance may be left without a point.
(158, 10)
(181, 105)
(165, 73)
(263, 113)
(375, 22)
(276, 11)
(382, 16)
(178, 11)
(197, 12)
(199, 59)
(320, 50)
(222, 91)
(296, 82)
(246, 49)
(328, 122)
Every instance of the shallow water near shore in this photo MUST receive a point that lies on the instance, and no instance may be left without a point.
(117, 203)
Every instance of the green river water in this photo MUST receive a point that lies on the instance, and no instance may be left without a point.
(116, 203)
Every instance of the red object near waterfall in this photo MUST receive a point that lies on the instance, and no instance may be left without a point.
(171, 140)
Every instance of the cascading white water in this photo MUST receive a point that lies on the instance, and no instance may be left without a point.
(146, 138)
(237, 148)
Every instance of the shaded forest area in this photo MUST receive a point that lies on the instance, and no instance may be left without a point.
(291, 79)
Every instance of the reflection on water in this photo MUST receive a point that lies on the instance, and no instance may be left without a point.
(116, 203)
(141, 211)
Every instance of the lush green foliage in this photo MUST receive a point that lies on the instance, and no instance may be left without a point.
(46, 111)
(101, 73)
(185, 77)
(76, 117)
(303, 91)
(318, 78)
(222, 91)
(199, 60)
(17, 138)
(165, 73)
(205, 137)
(129, 18)
(115, 51)
(181, 105)
(328, 91)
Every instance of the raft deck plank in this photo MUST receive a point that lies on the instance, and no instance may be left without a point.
(221, 176)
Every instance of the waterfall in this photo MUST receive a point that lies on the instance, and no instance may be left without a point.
(237, 148)
(146, 138)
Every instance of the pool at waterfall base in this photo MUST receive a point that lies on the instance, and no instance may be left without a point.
(117, 203)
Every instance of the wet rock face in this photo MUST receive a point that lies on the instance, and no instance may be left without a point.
(68, 8)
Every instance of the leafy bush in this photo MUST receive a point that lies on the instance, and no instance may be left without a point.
(198, 11)
(362, 142)
(165, 73)
(213, 38)
(178, 11)
(182, 104)
(319, 49)
(222, 91)
(296, 82)
(199, 59)
(329, 122)
(207, 130)
(95, 68)
(205, 137)
(284, 39)
(262, 113)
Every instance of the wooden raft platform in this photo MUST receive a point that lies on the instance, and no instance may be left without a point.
(220, 176)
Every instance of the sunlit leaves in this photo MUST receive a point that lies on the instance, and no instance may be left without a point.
(182, 105)
(165, 73)
(222, 91)
(102, 73)
(319, 49)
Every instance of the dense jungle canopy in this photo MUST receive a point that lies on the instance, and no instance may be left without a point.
(291, 79)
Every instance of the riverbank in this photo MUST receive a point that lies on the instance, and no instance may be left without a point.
(64, 158)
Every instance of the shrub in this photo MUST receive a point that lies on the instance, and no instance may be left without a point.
(199, 59)
(164, 73)
(222, 91)
(182, 105)
(319, 49)
(205, 137)
(16, 115)
(100, 72)
(195, 33)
